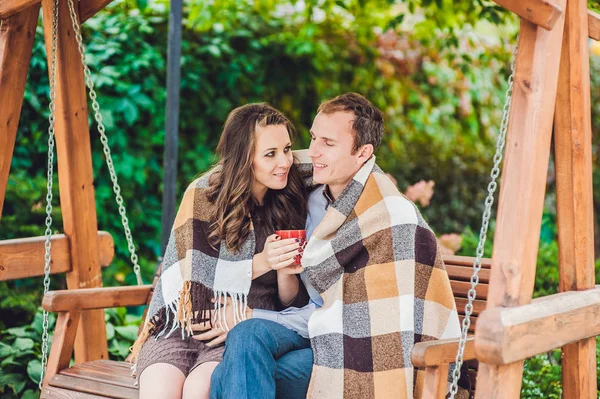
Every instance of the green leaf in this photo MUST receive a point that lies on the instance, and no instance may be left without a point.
(5, 350)
(133, 319)
(9, 361)
(18, 332)
(30, 394)
(15, 381)
(127, 332)
(110, 331)
(34, 370)
(23, 344)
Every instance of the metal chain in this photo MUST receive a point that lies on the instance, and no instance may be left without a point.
(50, 172)
(106, 148)
(489, 201)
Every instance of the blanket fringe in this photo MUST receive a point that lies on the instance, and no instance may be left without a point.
(192, 306)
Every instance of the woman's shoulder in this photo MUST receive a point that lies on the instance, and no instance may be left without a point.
(202, 182)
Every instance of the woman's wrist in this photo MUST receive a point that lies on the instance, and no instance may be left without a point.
(260, 265)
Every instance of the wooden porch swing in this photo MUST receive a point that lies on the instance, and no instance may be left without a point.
(551, 98)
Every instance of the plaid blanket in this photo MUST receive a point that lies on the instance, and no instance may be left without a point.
(376, 263)
(194, 272)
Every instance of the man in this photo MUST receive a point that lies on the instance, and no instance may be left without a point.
(374, 274)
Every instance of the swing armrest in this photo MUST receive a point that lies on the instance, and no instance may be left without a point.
(440, 352)
(96, 298)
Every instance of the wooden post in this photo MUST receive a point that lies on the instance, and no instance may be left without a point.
(522, 189)
(76, 179)
(16, 41)
(574, 191)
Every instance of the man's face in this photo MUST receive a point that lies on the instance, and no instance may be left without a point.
(330, 150)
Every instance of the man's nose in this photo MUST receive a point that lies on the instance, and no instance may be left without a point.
(312, 149)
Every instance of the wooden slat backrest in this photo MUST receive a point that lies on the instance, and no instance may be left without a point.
(460, 270)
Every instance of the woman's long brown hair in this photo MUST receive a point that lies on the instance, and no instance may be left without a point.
(230, 187)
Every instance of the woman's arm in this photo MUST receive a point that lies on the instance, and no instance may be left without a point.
(288, 287)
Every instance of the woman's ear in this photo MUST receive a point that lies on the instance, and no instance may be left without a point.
(364, 153)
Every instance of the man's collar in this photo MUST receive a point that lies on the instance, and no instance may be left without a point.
(327, 195)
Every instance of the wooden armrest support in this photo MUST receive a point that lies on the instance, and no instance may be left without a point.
(440, 352)
(96, 298)
(507, 335)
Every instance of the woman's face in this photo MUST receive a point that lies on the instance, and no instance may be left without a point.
(272, 159)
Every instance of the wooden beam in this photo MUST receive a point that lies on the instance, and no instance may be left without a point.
(440, 351)
(16, 42)
(62, 343)
(89, 8)
(574, 198)
(522, 190)
(96, 298)
(8, 8)
(24, 257)
(543, 13)
(486, 263)
(594, 25)
(76, 179)
(507, 335)
(462, 288)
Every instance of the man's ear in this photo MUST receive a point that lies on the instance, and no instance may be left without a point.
(364, 153)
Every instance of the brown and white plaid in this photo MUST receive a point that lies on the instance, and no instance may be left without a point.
(376, 263)
(194, 272)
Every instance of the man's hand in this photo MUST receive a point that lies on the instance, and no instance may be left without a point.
(218, 333)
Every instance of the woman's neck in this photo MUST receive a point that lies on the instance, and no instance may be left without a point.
(258, 195)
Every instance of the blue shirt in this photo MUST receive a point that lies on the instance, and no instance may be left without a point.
(296, 319)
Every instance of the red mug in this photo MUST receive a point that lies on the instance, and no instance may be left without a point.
(301, 234)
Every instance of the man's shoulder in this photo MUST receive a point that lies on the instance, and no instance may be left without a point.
(398, 206)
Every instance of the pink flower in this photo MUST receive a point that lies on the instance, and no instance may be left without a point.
(420, 192)
(450, 243)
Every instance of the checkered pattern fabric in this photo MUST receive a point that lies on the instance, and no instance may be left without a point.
(376, 263)
(190, 261)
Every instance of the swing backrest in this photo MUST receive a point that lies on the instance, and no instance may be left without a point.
(460, 270)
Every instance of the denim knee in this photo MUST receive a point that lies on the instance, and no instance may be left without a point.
(252, 330)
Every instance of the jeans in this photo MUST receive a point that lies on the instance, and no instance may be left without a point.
(263, 359)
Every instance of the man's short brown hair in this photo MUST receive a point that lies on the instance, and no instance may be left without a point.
(368, 122)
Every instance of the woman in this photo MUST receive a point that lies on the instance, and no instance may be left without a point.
(222, 250)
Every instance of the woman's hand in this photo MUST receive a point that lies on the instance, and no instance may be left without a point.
(217, 334)
(280, 254)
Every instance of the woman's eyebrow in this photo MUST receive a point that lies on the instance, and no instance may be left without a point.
(275, 149)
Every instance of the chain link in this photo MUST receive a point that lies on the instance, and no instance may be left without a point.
(50, 172)
(489, 201)
(105, 147)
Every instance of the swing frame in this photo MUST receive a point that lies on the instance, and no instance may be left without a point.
(551, 99)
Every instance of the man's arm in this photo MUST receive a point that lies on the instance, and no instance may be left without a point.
(295, 319)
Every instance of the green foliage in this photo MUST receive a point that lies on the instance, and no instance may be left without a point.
(20, 358)
(121, 331)
(542, 377)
